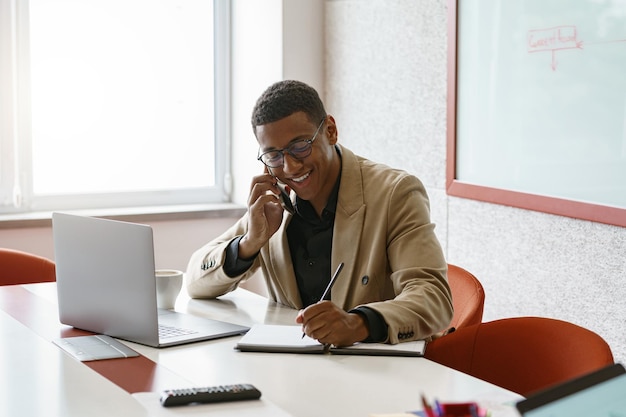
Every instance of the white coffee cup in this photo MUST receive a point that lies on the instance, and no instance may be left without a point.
(168, 285)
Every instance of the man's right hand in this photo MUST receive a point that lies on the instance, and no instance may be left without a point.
(264, 215)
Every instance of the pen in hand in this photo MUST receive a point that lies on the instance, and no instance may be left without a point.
(330, 285)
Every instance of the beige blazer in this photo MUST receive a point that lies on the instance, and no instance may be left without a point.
(393, 261)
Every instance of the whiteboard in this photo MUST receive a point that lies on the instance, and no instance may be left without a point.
(541, 97)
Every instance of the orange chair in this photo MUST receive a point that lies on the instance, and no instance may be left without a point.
(17, 267)
(468, 297)
(522, 354)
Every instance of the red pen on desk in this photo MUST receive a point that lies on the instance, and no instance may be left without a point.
(427, 408)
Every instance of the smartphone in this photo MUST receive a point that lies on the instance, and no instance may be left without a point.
(285, 201)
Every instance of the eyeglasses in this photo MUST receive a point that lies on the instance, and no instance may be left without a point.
(299, 150)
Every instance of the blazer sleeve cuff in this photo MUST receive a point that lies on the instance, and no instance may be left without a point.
(375, 322)
(233, 264)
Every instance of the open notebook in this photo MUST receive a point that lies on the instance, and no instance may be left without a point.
(288, 339)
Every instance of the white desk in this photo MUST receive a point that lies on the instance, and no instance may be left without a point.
(39, 379)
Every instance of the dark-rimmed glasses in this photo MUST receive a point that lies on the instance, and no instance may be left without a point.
(299, 150)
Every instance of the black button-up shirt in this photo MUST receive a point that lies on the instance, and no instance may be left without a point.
(310, 242)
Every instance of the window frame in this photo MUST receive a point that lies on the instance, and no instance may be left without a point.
(16, 173)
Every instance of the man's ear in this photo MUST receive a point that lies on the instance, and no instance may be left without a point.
(331, 130)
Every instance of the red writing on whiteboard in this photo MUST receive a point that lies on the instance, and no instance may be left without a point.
(560, 37)
(552, 40)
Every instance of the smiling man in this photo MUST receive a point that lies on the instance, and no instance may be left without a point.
(346, 209)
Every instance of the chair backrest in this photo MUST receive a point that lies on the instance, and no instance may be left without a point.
(522, 354)
(17, 267)
(468, 297)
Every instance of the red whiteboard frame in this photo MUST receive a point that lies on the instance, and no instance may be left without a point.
(542, 203)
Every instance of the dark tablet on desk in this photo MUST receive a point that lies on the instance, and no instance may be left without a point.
(599, 394)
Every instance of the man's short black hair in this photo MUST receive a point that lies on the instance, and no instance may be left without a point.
(284, 98)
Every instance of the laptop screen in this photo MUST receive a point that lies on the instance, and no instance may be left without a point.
(607, 399)
(106, 284)
(601, 394)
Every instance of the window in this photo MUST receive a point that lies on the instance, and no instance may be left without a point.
(112, 103)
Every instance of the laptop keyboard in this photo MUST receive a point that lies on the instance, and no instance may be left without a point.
(165, 332)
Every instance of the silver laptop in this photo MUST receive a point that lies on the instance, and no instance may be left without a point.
(597, 394)
(106, 284)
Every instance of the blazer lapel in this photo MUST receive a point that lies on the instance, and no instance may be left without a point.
(282, 264)
(348, 228)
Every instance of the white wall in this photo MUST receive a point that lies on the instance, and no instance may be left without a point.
(272, 40)
(174, 240)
